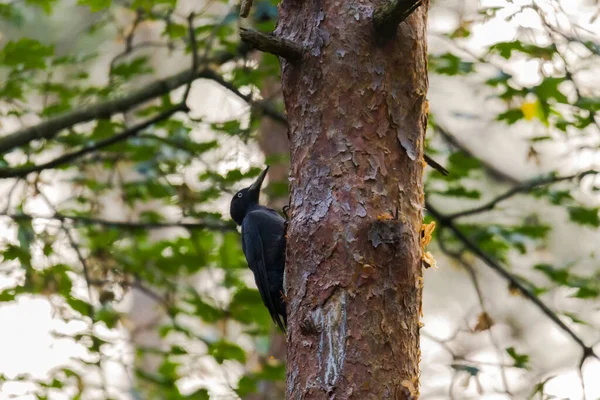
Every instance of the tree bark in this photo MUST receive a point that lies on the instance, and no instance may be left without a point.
(357, 117)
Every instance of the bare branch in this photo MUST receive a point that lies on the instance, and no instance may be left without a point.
(192, 35)
(245, 7)
(388, 16)
(435, 165)
(478, 290)
(470, 245)
(522, 188)
(75, 246)
(51, 127)
(263, 106)
(284, 48)
(452, 141)
(217, 225)
(66, 158)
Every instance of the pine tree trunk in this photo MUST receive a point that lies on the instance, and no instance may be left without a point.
(357, 112)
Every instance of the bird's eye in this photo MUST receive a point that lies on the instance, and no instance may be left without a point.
(239, 195)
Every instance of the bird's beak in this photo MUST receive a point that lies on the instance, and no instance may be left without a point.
(258, 183)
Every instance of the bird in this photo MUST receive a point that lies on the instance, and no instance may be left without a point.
(263, 243)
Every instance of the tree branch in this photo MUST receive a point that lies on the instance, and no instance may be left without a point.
(51, 127)
(262, 105)
(435, 165)
(245, 7)
(452, 141)
(265, 108)
(66, 158)
(271, 44)
(192, 38)
(223, 226)
(470, 245)
(522, 188)
(389, 15)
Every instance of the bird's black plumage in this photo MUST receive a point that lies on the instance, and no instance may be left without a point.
(263, 242)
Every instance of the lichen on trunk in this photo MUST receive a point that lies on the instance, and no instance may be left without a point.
(357, 119)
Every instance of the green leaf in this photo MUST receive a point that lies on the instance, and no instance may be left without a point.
(26, 53)
(591, 104)
(137, 66)
(45, 5)
(13, 252)
(230, 127)
(178, 350)
(584, 216)
(587, 292)
(506, 49)
(7, 295)
(95, 5)
(548, 89)
(148, 4)
(168, 370)
(200, 394)
(246, 386)
(472, 370)
(224, 350)
(460, 191)
(501, 79)
(520, 360)
(80, 306)
(204, 310)
(109, 316)
(247, 307)
(511, 116)
(25, 234)
(230, 252)
(450, 64)
(556, 275)
(460, 165)
(175, 31)
(573, 317)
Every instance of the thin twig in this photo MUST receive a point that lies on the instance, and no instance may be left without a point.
(493, 264)
(69, 157)
(128, 45)
(49, 128)
(75, 246)
(477, 286)
(453, 142)
(192, 37)
(522, 188)
(223, 226)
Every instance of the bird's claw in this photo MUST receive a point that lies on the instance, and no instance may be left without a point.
(283, 296)
(285, 210)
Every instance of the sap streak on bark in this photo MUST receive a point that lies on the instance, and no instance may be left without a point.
(331, 322)
(356, 127)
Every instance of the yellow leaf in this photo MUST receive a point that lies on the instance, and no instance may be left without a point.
(530, 110)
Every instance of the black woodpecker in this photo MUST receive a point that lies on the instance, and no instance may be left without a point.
(263, 242)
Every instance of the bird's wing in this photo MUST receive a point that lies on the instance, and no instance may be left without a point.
(255, 255)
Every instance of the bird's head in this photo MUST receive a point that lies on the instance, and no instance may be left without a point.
(243, 199)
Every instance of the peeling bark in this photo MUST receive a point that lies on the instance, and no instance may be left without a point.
(357, 117)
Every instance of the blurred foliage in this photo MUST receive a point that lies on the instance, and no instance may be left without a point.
(170, 184)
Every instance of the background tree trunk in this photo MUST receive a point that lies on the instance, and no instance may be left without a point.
(273, 141)
(357, 114)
